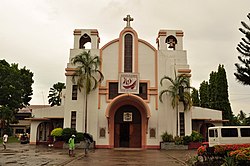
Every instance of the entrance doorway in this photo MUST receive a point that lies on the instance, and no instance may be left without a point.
(127, 131)
(124, 135)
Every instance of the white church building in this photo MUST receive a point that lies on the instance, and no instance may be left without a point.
(125, 110)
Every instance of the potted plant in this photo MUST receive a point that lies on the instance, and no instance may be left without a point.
(167, 140)
(167, 137)
(195, 140)
(187, 139)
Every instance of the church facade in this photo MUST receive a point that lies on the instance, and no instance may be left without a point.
(125, 110)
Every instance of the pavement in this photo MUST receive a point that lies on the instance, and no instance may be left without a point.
(18, 154)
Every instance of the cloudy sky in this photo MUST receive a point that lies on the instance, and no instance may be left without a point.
(38, 34)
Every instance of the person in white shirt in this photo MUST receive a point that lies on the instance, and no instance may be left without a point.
(5, 139)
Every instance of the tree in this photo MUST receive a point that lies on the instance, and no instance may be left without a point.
(235, 121)
(243, 68)
(222, 94)
(195, 97)
(214, 94)
(204, 94)
(178, 91)
(15, 91)
(55, 94)
(87, 76)
(242, 118)
(213, 90)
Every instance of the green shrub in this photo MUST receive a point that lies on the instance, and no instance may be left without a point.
(57, 132)
(167, 137)
(187, 139)
(196, 136)
(178, 140)
(67, 133)
(79, 137)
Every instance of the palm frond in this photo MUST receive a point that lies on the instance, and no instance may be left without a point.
(179, 82)
(161, 94)
(87, 74)
(166, 78)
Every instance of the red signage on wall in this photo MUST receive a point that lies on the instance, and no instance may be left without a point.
(129, 83)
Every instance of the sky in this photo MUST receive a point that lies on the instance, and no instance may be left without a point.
(38, 34)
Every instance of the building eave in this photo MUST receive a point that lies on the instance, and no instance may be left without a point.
(37, 119)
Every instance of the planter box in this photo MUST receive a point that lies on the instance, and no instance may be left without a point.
(172, 146)
(194, 145)
(80, 145)
(58, 144)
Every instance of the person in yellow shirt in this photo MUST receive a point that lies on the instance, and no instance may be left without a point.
(71, 145)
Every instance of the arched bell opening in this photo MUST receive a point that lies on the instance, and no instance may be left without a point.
(85, 42)
(171, 42)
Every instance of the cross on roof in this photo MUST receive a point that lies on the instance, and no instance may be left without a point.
(128, 19)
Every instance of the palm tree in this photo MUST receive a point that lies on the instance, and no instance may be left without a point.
(55, 94)
(177, 91)
(87, 75)
(242, 118)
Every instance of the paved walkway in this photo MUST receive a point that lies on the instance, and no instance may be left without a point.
(18, 154)
(31, 155)
(110, 157)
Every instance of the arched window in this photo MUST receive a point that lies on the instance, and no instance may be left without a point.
(128, 53)
(83, 40)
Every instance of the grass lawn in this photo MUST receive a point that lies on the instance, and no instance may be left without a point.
(11, 139)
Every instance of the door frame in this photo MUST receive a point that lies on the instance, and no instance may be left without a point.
(128, 131)
(128, 99)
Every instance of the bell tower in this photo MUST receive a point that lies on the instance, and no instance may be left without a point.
(170, 40)
(84, 37)
(172, 62)
(170, 51)
(85, 40)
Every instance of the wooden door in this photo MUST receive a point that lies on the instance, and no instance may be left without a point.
(135, 136)
(124, 134)
(127, 133)
(117, 136)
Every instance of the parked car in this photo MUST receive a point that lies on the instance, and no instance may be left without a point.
(24, 138)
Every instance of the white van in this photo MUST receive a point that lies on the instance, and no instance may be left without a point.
(222, 135)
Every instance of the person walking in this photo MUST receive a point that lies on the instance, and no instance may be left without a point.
(71, 145)
(5, 139)
(88, 140)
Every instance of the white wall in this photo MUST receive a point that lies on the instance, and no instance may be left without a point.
(49, 112)
(205, 113)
